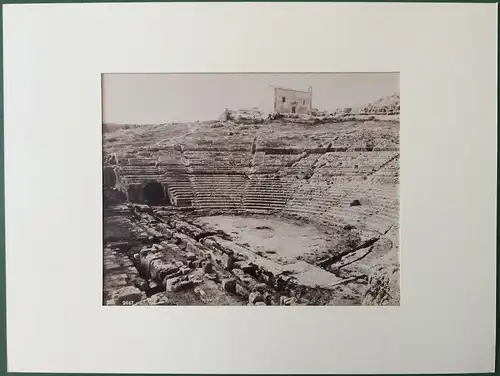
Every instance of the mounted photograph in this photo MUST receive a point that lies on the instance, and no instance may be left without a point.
(251, 189)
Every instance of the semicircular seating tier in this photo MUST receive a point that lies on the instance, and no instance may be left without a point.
(337, 186)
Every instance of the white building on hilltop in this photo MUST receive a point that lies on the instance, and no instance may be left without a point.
(289, 101)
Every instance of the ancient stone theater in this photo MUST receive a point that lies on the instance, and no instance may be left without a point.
(277, 210)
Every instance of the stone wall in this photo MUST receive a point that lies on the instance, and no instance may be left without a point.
(292, 101)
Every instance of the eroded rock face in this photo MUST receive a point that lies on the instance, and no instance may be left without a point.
(383, 286)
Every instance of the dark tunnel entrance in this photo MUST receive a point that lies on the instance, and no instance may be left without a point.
(154, 194)
(109, 177)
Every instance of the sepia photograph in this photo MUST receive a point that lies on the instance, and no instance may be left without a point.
(251, 189)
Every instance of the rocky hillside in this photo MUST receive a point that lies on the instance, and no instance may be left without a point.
(384, 106)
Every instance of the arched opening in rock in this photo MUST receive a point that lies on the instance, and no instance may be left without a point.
(154, 194)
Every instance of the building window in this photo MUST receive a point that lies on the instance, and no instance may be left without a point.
(283, 99)
(303, 101)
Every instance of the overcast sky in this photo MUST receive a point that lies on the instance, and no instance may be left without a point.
(162, 98)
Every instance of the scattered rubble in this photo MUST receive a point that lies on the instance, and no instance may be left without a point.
(327, 172)
(383, 286)
(255, 297)
(249, 116)
(128, 296)
(384, 106)
(229, 285)
(158, 299)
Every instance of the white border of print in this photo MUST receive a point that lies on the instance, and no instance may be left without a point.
(53, 59)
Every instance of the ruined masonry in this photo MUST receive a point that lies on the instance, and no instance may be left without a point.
(165, 188)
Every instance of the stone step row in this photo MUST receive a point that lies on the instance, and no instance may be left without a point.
(268, 199)
(350, 219)
(301, 210)
(264, 200)
(216, 207)
(222, 167)
(215, 161)
(137, 168)
(315, 192)
(218, 188)
(321, 201)
(211, 154)
(391, 216)
(311, 208)
(267, 205)
(269, 187)
(180, 186)
(141, 175)
(265, 193)
(218, 201)
(257, 210)
(186, 197)
(207, 188)
(388, 195)
(208, 154)
(328, 162)
(218, 185)
(218, 198)
(386, 180)
(184, 181)
(218, 179)
(350, 156)
(267, 183)
(274, 185)
(216, 167)
(354, 156)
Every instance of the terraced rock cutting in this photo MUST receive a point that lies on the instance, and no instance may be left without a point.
(271, 212)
